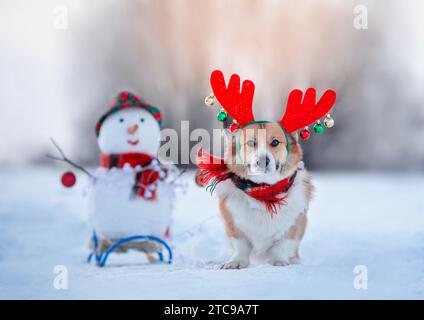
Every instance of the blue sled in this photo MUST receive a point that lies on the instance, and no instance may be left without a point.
(102, 257)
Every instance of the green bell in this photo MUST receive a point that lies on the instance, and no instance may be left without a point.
(222, 115)
(319, 128)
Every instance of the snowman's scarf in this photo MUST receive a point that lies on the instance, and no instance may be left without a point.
(213, 170)
(145, 183)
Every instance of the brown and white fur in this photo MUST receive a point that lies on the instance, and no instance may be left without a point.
(250, 228)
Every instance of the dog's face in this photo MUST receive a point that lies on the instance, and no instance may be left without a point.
(263, 148)
(262, 152)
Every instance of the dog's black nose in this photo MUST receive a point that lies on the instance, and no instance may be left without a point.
(263, 162)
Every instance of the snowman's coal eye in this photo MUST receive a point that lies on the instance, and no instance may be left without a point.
(121, 120)
(141, 119)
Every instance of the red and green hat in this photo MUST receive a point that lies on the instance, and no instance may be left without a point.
(125, 100)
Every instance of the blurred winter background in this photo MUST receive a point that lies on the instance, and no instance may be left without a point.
(57, 82)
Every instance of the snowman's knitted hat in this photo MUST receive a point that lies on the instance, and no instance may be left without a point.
(125, 100)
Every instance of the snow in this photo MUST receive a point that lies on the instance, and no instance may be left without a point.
(366, 219)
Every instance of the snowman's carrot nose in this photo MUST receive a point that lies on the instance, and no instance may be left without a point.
(132, 129)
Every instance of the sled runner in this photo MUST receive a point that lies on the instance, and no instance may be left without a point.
(101, 254)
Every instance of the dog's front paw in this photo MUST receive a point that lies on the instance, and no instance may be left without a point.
(279, 263)
(235, 264)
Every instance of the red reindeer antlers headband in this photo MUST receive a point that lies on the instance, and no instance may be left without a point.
(237, 104)
(302, 109)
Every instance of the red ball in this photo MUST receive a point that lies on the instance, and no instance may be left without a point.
(123, 96)
(68, 179)
(305, 134)
(234, 127)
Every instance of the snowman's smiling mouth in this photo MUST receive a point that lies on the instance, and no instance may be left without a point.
(133, 142)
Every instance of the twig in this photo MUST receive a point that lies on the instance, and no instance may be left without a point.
(64, 158)
(196, 226)
(180, 173)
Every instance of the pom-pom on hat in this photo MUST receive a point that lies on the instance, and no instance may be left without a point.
(125, 100)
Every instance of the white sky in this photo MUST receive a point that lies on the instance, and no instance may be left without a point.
(32, 60)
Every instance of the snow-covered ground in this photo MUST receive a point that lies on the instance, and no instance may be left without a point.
(356, 219)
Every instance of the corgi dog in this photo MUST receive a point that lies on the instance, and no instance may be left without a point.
(263, 189)
(267, 156)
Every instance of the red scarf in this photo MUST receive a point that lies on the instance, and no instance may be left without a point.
(213, 170)
(145, 184)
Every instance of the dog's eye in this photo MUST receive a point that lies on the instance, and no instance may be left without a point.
(275, 143)
(141, 119)
(121, 120)
(251, 143)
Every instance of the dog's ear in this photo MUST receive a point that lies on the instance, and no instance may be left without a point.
(294, 136)
(294, 142)
(295, 148)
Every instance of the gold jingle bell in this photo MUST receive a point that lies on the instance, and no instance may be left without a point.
(328, 122)
(209, 100)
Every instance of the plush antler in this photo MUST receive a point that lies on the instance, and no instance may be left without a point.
(303, 113)
(237, 104)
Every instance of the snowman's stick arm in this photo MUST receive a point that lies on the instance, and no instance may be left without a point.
(64, 158)
(71, 163)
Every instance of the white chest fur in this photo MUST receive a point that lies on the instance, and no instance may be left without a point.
(256, 224)
(113, 213)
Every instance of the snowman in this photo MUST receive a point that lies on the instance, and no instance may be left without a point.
(131, 193)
